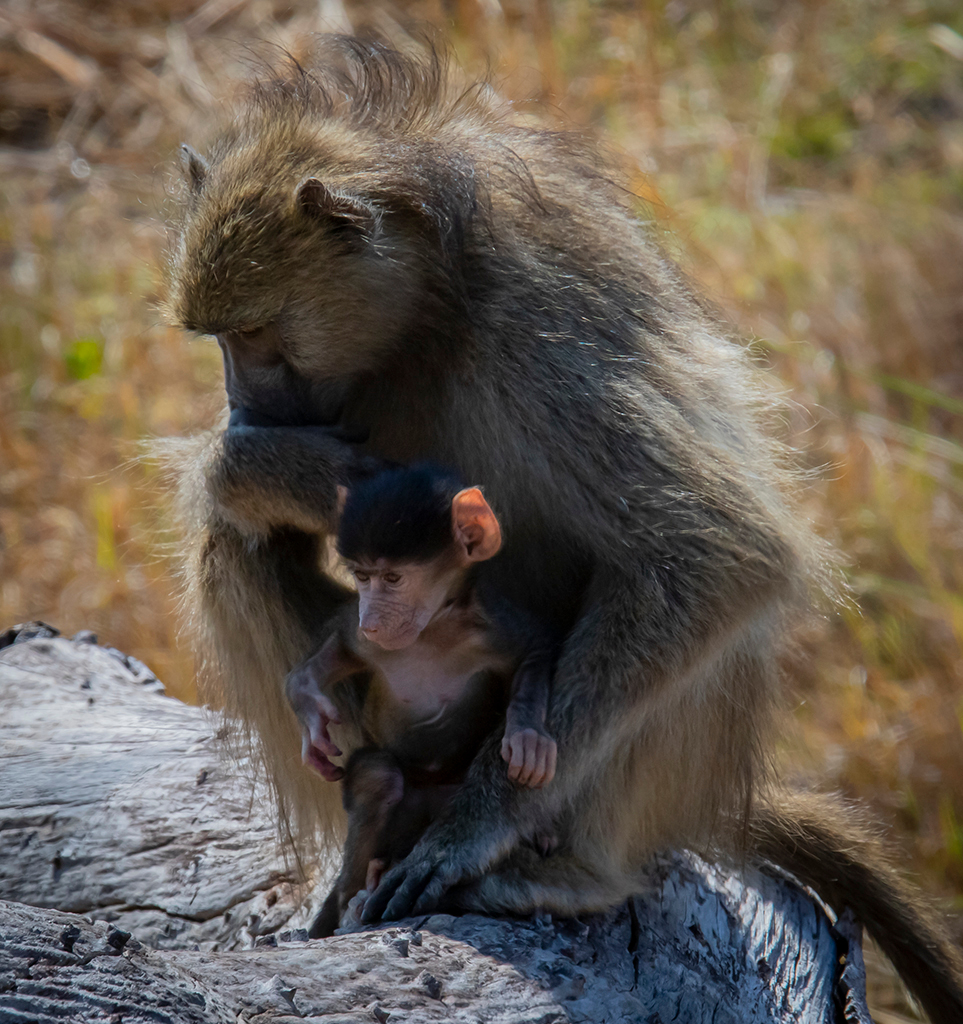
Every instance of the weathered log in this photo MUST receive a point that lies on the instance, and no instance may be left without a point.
(115, 804)
(116, 800)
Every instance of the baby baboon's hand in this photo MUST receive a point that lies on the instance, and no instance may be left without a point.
(315, 712)
(531, 755)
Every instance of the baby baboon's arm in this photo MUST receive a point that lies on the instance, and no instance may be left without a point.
(527, 747)
(309, 692)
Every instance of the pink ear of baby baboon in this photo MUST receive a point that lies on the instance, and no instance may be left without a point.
(475, 526)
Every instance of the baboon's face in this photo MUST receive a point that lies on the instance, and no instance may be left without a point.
(397, 600)
(305, 286)
(265, 388)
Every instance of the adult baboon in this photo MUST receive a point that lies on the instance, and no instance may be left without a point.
(385, 254)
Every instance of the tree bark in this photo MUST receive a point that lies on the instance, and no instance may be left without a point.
(116, 804)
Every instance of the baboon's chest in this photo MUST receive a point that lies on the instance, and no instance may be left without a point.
(445, 693)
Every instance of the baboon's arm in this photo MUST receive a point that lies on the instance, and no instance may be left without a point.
(266, 477)
(527, 747)
(268, 593)
(258, 578)
(310, 688)
(262, 500)
(640, 640)
(531, 685)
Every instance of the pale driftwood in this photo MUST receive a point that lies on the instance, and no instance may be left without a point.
(114, 802)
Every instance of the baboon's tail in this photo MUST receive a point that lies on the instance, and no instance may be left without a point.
(817, 839)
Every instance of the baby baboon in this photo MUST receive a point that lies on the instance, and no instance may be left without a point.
(387, 255)
(426, 663)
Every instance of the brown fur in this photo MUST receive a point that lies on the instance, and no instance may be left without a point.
(504, 312)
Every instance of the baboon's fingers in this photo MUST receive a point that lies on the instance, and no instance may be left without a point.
(327, 708)
(432, 893)
(399, 890)
(315, 758)
(376, 868)
(322, 739)
(537, 779)
(516, 760)
(371, 911)
(529, 743)
(551, 762)
(327, 747)
(323, 766)
(409, 893)
(381, 897)
(351, 918)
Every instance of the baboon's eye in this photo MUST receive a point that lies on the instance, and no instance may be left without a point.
(255, 346)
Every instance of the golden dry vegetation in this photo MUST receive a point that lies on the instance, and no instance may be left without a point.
(804, 161)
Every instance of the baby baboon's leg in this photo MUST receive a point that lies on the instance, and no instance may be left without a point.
(372, 789)
(404, 825)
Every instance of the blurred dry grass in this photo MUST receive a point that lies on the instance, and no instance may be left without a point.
(807, 159)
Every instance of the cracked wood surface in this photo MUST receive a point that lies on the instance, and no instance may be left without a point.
(114, 802)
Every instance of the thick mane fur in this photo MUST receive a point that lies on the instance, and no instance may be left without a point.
(367, 84)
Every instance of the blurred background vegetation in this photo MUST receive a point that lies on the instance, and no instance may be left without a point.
(803, 159)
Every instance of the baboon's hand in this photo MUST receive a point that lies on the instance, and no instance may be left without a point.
(244, 442)
(531, 755)
(267, 476)
(241, 416)
(351, 918)
(315, 712)
(416, 885)
(313, 756)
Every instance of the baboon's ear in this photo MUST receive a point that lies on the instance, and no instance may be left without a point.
(475, 525)
(195, 167)
(317, 200)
